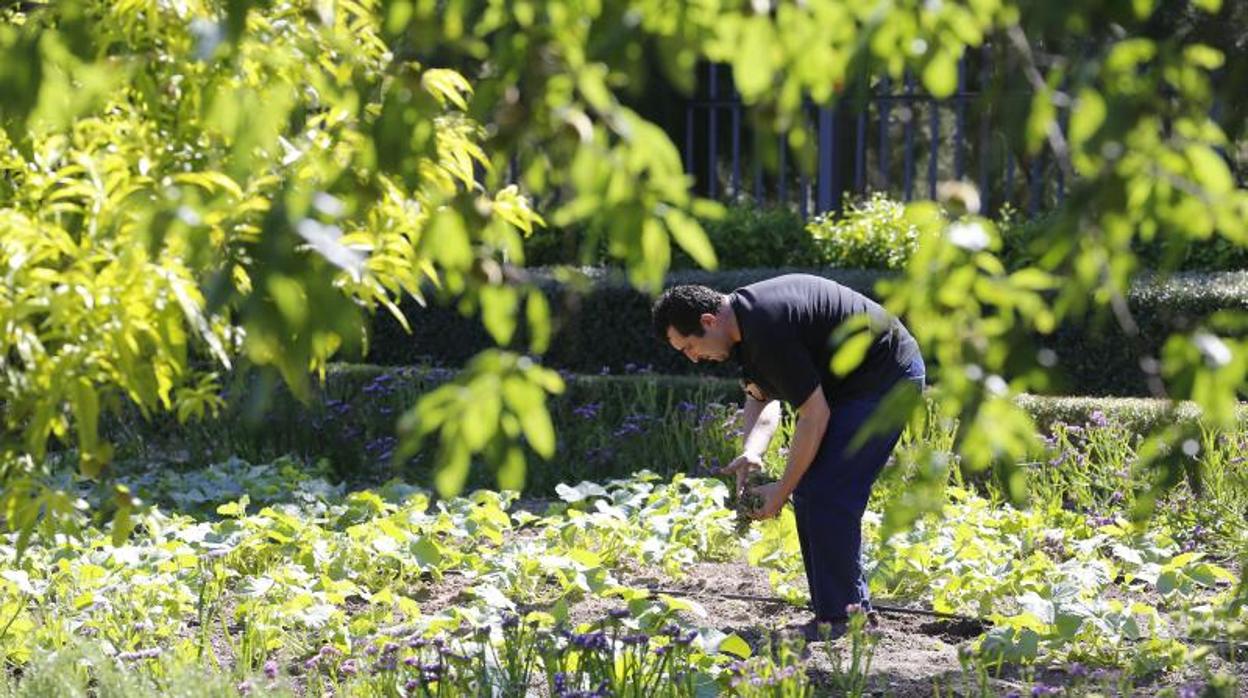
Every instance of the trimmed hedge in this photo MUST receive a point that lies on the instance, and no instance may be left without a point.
(608, 329)
(870, 233)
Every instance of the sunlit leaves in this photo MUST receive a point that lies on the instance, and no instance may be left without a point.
(940, 75)
(499, 398)
(253, 176)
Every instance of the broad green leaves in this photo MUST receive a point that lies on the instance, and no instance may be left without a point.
(499, 399)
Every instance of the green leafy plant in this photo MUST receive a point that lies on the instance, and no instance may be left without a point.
(870, 234)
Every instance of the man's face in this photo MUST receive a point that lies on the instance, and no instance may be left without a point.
(713, 345)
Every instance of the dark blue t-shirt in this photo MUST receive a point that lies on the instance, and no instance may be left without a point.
(786, 346)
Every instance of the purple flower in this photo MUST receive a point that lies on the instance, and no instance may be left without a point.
(348, 668)
(150, 653)
(588, 411)
(1097, 418)
(686, 406)
(244, 687)
(270, 670)
(591, 641)
(628, 428)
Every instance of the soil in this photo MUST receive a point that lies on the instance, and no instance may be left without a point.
(915, 655)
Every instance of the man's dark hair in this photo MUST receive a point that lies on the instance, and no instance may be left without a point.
(682, 307)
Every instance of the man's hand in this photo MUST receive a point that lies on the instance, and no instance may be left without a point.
(773, 496)
(741, 467)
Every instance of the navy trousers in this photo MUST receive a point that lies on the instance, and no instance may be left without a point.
(830, 500)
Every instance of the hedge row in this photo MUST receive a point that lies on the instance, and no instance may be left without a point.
(870, 233)
(607, 426)
(607, 330)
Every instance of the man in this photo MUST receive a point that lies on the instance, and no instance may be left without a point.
(781, 331)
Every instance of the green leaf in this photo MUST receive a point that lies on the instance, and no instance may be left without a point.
(291, 299)
(537, 314)
(426, 551)
(851, 352)
(236, 509)
(1210, 169)
(527, 401)
(478, 420)
(498, 312)
(691, 238)
(452, 470)
(447, 86)
(446, 240)
(940, 75)
(1039, 120)
(512, 470)
(754, 64)
(736, 646)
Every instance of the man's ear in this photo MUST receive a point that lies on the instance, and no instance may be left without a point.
(708, 320)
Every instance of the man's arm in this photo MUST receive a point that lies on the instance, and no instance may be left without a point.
(760, 422)
(812, 424)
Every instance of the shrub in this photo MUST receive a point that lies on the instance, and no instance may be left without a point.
(748, 237)
(870, 234)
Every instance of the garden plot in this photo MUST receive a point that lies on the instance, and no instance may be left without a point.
(633, 587)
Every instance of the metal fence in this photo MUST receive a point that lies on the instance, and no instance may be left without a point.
(877, 137)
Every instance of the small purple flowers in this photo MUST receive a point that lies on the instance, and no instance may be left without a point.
(151, 653)
(596, 641)
(588, 411)
(1098, 419)
(632, 425)
(270, 670)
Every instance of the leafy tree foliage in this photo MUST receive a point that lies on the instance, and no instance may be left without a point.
(249, 176)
